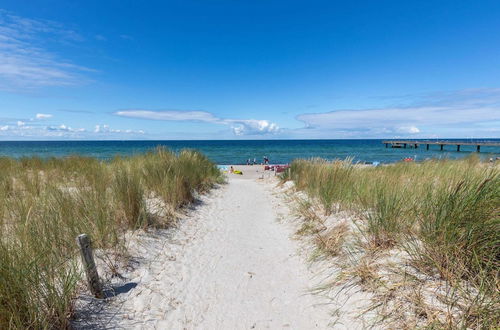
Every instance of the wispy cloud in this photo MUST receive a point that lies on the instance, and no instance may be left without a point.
(238, 126)
(25, 63)
(105, 129)
(126, 37)
(21, 130)
(75, 111)
(64, 128)
(41, 116)
(457, 113)
(170, 115)
(470, 97)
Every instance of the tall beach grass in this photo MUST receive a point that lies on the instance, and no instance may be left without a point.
(445, 214)
(46, 203)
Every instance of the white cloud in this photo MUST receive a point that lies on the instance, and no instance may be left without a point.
(106, 129)
(408, 129)
(238, 126)
(20, 123)
(25, 63)
(101, 129)
(424, 119)
(470, 112)
(63, 131)
(253, 127)
(64, 128)
(170, 115)
(43, 116)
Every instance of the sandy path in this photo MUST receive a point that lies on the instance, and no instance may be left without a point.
(243, 272)
(230, 265)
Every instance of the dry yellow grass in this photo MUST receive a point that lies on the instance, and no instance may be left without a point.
(46, 203)
(441, 216)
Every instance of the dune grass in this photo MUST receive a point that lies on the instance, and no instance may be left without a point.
(445, 214)
(46, 203)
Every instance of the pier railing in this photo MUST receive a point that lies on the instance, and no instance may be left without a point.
(417, 143)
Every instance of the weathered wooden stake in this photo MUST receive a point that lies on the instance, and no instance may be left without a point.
(93, 282)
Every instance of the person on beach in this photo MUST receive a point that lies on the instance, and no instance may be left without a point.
(231, 170)
(266, 160)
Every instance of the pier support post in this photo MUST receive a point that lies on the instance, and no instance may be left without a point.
(93, 282)
(410, 144)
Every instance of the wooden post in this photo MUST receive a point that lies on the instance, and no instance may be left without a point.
(442, 145)
(427, 146)
(458, 147)
(478, 148)
(93, 282)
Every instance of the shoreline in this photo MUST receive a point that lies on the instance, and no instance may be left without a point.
(237, 151)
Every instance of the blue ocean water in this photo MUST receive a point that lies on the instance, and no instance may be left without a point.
(238, 151)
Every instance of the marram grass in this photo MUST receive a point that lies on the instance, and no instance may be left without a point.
(444, 213)
(46, 203)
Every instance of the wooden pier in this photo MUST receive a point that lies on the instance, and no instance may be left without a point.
(441, 144)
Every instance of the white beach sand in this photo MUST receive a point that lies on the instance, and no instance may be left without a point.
(231, 264)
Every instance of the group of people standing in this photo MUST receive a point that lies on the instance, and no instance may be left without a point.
(254, 162)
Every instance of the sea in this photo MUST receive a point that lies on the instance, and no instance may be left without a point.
(225, 152)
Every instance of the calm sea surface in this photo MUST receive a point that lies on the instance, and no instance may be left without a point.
(238, 151)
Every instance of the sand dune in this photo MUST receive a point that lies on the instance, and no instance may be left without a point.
(230, 265)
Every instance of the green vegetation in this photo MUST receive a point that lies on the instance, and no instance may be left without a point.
(444, 214)
(46, 203)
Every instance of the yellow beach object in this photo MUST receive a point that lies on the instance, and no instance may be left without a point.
(237, 172)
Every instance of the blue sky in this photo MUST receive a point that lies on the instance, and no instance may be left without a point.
(216, 69)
